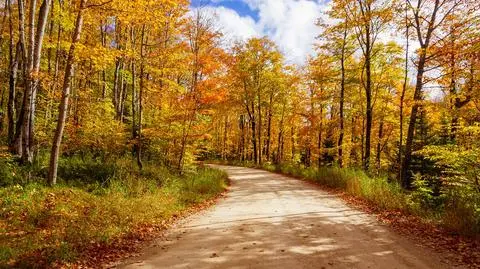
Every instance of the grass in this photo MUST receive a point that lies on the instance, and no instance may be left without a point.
(384, 194)
(55, 224)
(457, 209)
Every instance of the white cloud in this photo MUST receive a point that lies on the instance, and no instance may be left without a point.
(289, 23)
(234, 26)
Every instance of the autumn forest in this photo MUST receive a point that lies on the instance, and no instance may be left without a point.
(114, 105)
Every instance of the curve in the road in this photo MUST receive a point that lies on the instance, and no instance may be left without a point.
(273, 221)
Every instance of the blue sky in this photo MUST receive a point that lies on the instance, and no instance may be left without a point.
(241, 7)
(289, 23)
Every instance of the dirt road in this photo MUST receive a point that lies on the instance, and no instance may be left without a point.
(272, 221)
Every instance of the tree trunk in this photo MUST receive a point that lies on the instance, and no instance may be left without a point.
(292, 138)
(369, 108)
(116, 86)
(140, 98)
(320, 137)
(402, 96)
(36, 36)
(362, 137)
(248, 155)
(269, 126)
(353, 151)
(453, 92)
(242, 138)
(342, 100)
(253, 124)
(134, 92)
(13, 70)
(379, 145)
(63, 108)
(225, 138)
(12, 96)
(259, 127)
(22, 41)
(254, 139)
(134, 105)
(406, 178)
(279, 156)
(104, 74)
(123, 97)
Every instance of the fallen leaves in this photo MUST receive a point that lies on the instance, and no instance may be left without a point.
(129, 245)
(454, 248)
(71, 227)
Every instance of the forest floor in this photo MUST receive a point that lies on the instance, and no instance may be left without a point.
(269, 220)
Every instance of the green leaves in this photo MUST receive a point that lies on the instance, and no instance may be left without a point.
(458, 164)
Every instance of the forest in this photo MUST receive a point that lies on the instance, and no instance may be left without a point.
(109, 108)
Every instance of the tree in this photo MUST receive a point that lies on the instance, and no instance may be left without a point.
(34, 54)
(427, 18)
(368, 19)
(14, 58)
(337, 41)
(257, 64)
(407, 24)
(62, 116)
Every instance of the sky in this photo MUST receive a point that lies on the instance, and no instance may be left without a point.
(289, 23)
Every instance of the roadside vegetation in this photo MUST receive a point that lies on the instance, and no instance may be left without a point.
(95, 202)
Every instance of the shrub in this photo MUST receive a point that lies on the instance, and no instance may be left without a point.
(384, 194)
(8, 172)
(462, 210)
(202, 183)
(425, 197)
(85, 169)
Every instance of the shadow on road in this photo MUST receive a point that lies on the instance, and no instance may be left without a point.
(272, 221)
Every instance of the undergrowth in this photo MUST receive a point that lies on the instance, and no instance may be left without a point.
(54, 224)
